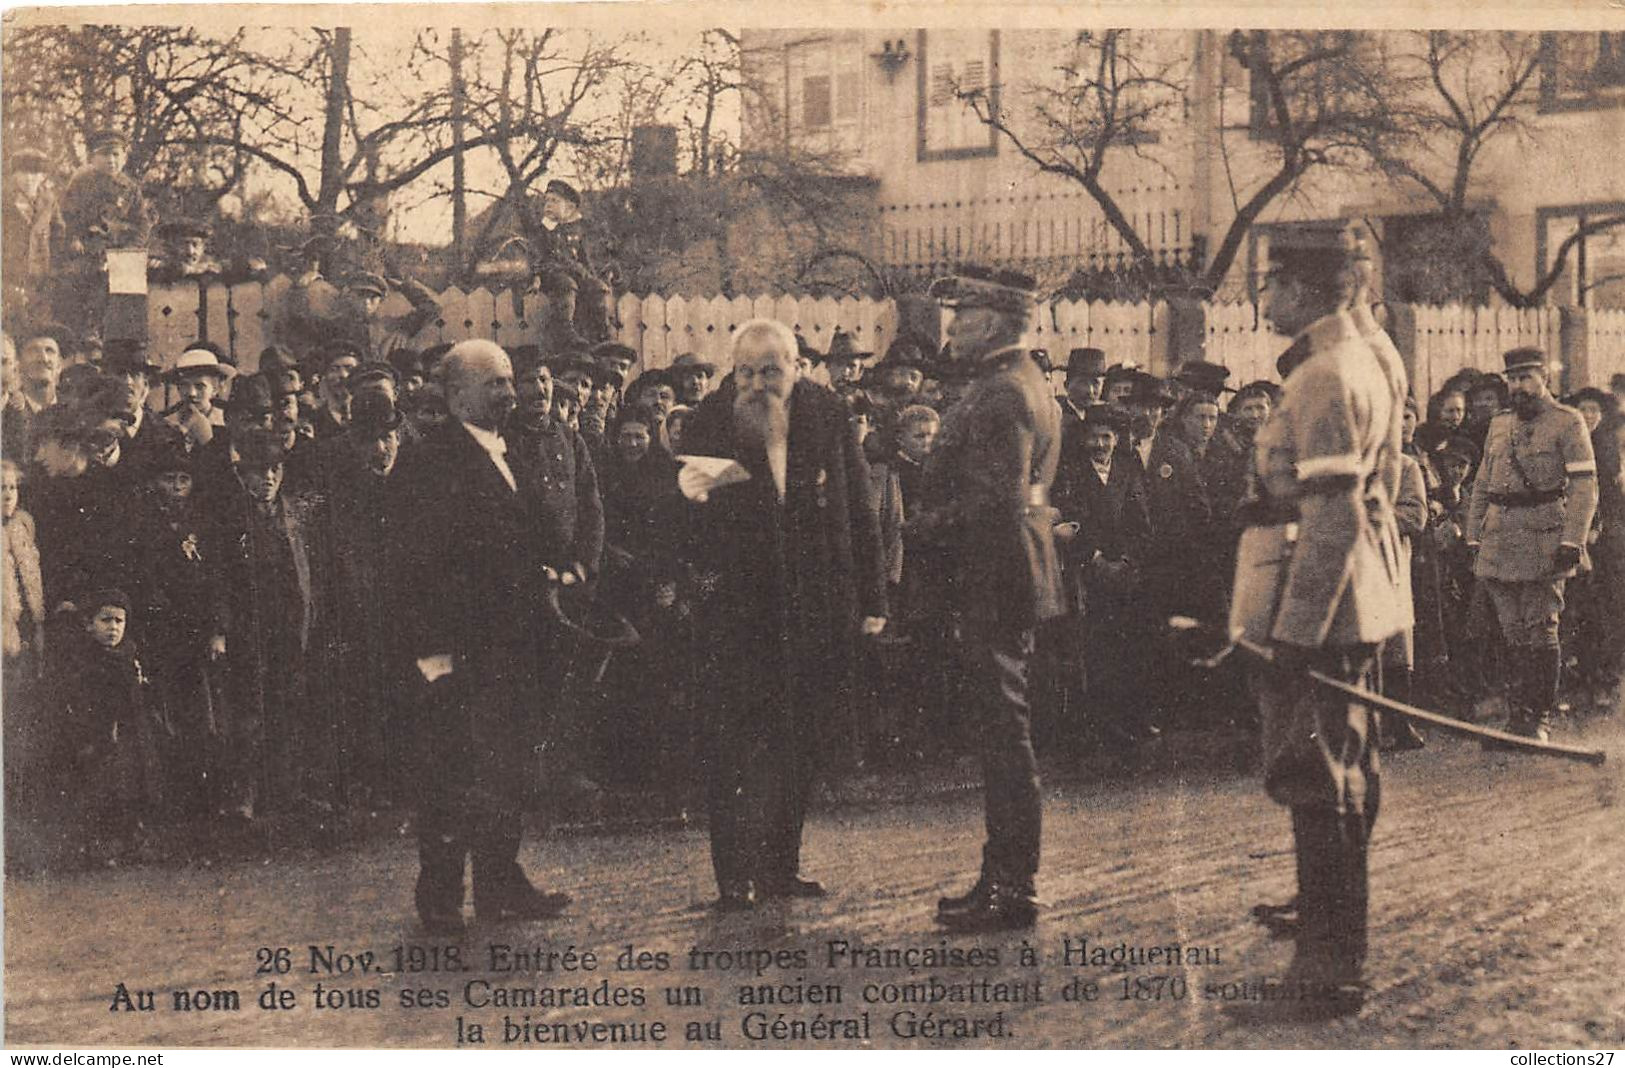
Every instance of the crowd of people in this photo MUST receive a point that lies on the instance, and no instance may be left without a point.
(203, 594)
(209, 571)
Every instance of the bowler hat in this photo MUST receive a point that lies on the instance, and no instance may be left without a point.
(605, 351)
(1106, 415)
(373, 414)
(1203, 376)
(129, 355)
(253, 395)
(257, 447)
(1149, 391)
(1085, 363)
(688, 361)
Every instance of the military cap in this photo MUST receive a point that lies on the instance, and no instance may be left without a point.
(129, 355)
(982, 287)
(373, 414)
(688, 361)
(198, 360)
(100, 140)
(367, 282)
(1320, 244)
(172, 229)
(560, 187)
(1203, 376)
(28, 161)
(257, 447)
(1523, 358)
(1085, 363)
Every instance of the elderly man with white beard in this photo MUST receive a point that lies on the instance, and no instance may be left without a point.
(791, 556)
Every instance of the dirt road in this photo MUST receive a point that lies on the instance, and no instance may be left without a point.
(1497, 921)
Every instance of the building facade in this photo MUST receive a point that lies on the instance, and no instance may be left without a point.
(905, 108)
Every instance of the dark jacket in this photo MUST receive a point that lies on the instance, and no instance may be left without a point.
(555, 467)
(793, 577)
(985, 499)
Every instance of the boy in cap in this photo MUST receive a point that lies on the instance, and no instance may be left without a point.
(565, 253)
(691, 376)
(103, 207)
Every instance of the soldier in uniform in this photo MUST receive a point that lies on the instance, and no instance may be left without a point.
(1318, 577)
(985, 510)
(1529, 517)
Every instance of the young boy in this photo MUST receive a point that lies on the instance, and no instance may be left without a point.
(108, 737)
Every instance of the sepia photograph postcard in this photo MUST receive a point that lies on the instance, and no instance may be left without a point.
(902, 526)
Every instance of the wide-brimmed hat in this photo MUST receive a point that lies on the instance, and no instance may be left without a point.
(201, 361)
(842, 349)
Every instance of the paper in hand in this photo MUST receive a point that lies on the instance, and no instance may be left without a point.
(127, 270)
(699, 475)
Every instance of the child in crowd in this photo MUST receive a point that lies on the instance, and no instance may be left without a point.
(109, 739)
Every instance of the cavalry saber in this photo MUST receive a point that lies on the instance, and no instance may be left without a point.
(1418, 715)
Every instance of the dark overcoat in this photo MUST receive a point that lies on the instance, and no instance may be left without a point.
(793, 578)
(472, 587)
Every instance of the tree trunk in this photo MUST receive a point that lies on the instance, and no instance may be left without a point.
(338, 97)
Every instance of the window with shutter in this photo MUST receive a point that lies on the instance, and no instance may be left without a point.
(951, 64)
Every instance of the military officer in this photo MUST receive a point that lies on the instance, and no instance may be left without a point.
(1530, 513)
(986, 510)
(1318, 577)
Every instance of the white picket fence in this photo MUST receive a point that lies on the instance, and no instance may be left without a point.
(244, 318)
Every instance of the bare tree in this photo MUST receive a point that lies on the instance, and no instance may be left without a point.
(1454, 96)
(184, 98)
(1315, 106)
